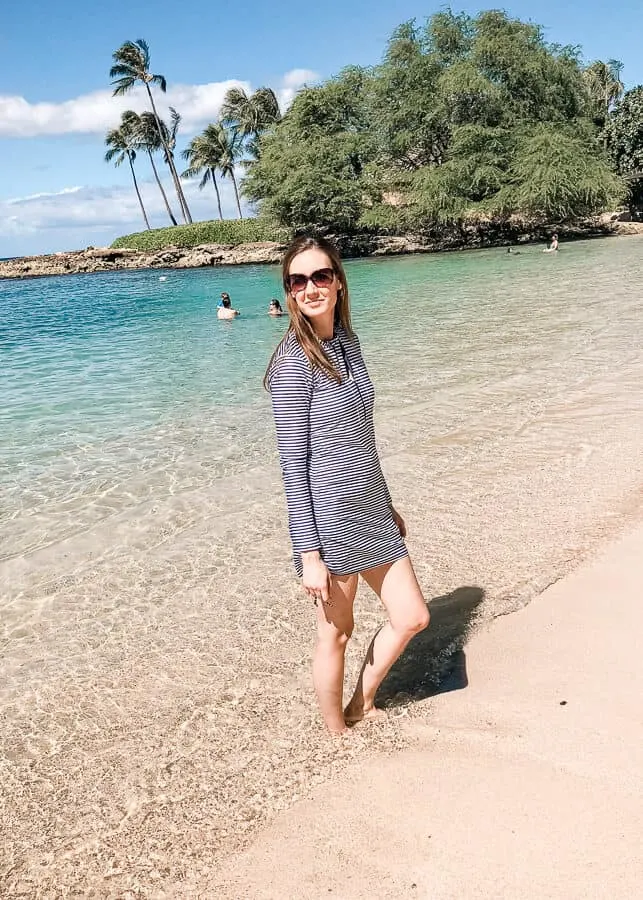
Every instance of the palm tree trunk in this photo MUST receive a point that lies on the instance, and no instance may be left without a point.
(138, 193)
(158, 181)
(170, 161)
(213, 172)
(236, 193)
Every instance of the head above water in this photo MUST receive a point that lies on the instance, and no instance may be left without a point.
(225, 300)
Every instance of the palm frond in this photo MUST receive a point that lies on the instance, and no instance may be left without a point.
(160, 81)
(176, 121)
(121, 69)
(143, 47)
(205, 179)
(123, 85)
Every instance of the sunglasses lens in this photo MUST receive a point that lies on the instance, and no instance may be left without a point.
(322, 278)
(297, 282)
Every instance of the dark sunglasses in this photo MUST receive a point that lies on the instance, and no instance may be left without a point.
(322, 278)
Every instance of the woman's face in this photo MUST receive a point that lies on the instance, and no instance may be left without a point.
(315, 298)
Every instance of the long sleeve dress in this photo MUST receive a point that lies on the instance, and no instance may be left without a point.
(337, 498)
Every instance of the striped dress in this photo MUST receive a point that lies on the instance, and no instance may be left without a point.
(338, 501)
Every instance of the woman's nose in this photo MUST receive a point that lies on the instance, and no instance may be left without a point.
(311, 289)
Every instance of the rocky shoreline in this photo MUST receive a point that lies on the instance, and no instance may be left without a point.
(270, 252)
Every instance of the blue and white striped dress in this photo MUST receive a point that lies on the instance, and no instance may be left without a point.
(338, 501)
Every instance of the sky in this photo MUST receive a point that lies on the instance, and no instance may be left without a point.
(56, 191)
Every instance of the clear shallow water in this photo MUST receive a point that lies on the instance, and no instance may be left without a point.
(121, 387)
(155, 691)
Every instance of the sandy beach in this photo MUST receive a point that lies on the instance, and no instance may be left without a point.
(525, 784)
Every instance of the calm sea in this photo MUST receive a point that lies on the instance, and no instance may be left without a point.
(123, 389)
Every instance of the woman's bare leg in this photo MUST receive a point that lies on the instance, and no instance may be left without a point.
(397, 587)
(334, 628)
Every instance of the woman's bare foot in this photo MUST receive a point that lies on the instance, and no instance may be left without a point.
(354, 714)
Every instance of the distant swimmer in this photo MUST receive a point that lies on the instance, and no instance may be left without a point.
(553, 247)
(275, 308)
(224, 296)
(225, 311)
(163, 278)
(513, 252)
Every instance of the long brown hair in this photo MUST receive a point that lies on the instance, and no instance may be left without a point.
(299, 324)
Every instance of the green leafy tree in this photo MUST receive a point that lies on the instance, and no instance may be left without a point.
(311, 164)
(121, 143)
(203, 155)
(624, 138)
(465, 118)
(131, 67)
(147, 138)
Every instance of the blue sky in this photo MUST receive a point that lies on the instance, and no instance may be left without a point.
(55, 190)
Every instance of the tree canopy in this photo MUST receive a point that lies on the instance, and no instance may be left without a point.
(624, 139)
(464, 117)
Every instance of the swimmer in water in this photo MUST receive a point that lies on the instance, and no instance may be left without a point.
(225, 311)
(553, 247)
(275, 308)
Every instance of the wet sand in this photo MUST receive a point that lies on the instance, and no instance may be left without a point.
(526, 784)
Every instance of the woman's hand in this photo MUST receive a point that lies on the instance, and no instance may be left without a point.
(399, 521)
(316, 577)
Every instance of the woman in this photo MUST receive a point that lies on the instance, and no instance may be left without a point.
(341, 518)
(275, 308)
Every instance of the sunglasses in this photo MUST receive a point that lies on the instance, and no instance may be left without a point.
(322, 278)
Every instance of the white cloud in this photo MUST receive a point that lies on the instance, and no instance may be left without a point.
(18, 200)
(94, 113)
(78, 216)
(292, 82)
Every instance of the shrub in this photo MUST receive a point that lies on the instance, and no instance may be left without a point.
(233, 232)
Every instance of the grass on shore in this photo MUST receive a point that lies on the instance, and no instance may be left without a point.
(235, 232)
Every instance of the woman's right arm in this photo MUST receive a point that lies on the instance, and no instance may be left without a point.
(291, 393)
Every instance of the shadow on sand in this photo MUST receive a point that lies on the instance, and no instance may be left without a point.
(434, 662)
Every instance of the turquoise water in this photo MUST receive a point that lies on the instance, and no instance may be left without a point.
(117, 387)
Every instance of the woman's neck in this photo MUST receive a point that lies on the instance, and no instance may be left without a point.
(324, 328)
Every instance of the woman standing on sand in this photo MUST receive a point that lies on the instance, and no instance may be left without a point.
(341, 518)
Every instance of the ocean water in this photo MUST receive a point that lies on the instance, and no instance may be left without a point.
(147, 597)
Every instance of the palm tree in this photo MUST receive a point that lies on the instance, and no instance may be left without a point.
(204, 155)
(147, 138)
(604, 85)
(131, 65)
(121, 143)
(250, 115)
(230, 144)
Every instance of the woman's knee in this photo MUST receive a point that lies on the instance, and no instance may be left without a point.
(333, 635)
(416, 620)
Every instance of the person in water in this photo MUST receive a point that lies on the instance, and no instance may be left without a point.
(225, 311)
(224, 296)
(341, 517)
(275, 308)
(553, 247)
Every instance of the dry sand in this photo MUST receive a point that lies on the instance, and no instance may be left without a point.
(526, 784)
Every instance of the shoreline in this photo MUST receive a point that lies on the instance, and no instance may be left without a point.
(508, 786)
(107, 259)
